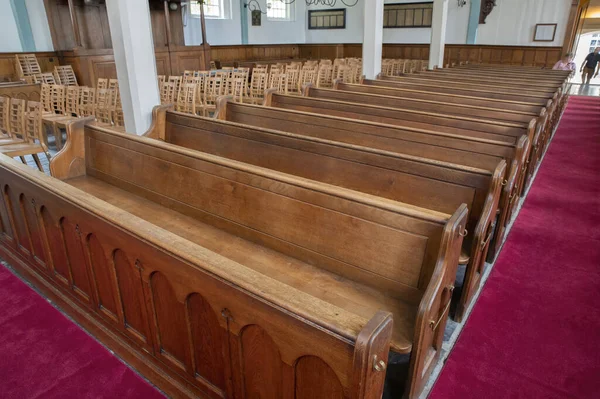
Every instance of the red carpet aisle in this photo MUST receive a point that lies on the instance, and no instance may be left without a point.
(535, 331)
(45, 355)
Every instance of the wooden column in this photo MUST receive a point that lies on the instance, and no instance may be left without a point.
(75, 23)
(167, 23)
(205, 45)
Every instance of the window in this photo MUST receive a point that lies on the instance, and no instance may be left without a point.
(596, 35)
(279, 10)
(212, 9)
(327, 19)
(593, 42)
(408, 15)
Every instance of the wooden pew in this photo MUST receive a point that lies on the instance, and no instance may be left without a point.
(482, 101)
(392, 141)
(515, 76)
(553, 107)
(543, 92)
(425, 84)
(341, 92)
(492, 80)
(226, 279)
(413, 180)
(509, 132)
(446, 103)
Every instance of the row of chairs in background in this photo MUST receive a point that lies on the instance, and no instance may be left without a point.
(21, 129)
(61, 104)
(28, 69)
(196, 92)
(396, 67)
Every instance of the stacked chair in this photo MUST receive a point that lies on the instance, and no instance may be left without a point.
(21, 129)
(63, 104)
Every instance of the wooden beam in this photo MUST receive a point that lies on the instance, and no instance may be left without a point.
(167, 23)
(75, 23)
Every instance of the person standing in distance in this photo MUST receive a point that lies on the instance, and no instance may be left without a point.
(589, 65)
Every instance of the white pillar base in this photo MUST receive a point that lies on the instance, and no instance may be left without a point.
(372, 48)
(438, 34)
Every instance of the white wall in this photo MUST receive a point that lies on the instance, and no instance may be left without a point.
(354, 26)
(39, 25)
(273, 31)
(456, 30)
(9, 33)
(219, 31)
(512, 22)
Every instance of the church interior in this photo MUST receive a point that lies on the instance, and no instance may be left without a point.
(309, 199)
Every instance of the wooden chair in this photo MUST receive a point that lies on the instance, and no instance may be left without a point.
(87, 101)
(168, 93)
(214, 87)
(102, 83)
(186, 98)
(161, 80)
(345, 74)
(258, 85)
(27, 65)
(293, 75)
(26, 119)
(66, 75)
(113, 84)
(70, 112)
(103, 106)
(4, 110)
(278, 81)
(238, 86)
(325, 76)
(306, 76)
(177, 81)
(53, 99)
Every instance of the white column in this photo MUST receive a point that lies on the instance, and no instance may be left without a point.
(372, 38)
(133, 47)
(438, 33)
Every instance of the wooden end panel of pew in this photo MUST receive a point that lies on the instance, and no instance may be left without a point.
(172, 311)
(393, 116)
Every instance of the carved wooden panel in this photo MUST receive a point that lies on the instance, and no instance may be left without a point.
(208, 341)
(170, 321)
(58, 252)
(14, 206)
(33, 227)
(102, 275)
(263, 368)
(132, 296)
(314, 375)
(76, 260)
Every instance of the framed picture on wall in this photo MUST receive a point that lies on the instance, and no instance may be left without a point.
(256, 17)
(327, 19)
(544, 32)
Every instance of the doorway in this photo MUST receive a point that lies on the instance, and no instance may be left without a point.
(587, 43)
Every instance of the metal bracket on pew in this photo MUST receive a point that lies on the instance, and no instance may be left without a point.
(336, 83)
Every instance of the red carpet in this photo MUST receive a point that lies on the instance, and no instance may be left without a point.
(45, 355)
(535, 331)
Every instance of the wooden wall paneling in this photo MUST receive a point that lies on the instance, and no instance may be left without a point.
(91, 27)
(163, 62)
(517, 57)
(540, 57)
(29, 92)
(159, 30)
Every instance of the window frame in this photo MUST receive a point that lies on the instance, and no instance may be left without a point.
(290, 10)
(223, 10)
(408, 8)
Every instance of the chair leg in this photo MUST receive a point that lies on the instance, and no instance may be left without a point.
(23, 159)
(37, 162)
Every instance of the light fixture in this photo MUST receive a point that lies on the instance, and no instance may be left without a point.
(173, 6)
(462, 3)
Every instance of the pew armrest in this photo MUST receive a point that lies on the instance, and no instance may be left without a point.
(70, 160)
(482, 237)
(221, 107)
(435, 304)
(371, 356)
(269, 96)
(159, 121)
